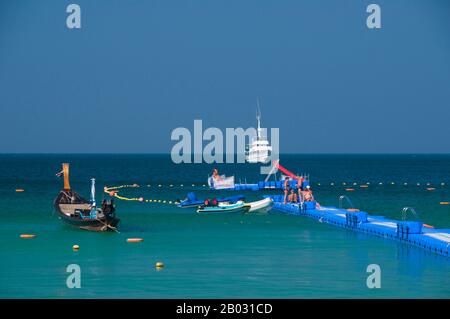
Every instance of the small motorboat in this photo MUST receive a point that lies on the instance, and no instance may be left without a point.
(77, 211)
(260, 206)
(191, 200)
(238, 207)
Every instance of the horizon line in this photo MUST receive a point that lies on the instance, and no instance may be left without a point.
(167, 153)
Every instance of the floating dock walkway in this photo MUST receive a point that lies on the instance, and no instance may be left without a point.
(410, 232)
(265, 185)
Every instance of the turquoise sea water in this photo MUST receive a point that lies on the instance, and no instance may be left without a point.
(267, 255)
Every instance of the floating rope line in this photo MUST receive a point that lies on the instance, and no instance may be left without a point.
(113, 191)
(331, 183)
(335, 183)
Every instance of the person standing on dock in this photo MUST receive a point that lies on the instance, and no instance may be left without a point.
(300, 190)
(215, 174)
(286, 189)
(307, 194)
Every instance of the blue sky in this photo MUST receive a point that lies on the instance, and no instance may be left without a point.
(138, 69)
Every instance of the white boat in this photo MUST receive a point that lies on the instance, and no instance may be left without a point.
(238, 207)
(260, 206)
(259, 149)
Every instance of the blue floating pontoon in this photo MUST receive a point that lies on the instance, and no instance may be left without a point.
(411, 232)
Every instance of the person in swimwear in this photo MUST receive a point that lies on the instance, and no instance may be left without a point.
(215, 174)
(300, 189)
(308, 196)
(292, 196)
(286, 189)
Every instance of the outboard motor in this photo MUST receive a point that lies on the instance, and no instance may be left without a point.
(211, 202)
(108, 207)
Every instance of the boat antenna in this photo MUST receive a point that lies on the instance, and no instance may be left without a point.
(258, 118)
(258, 109)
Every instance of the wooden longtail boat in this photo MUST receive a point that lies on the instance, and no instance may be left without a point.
(79, 212)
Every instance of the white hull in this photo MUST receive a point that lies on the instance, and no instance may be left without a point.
(259, 159)
(261, 206)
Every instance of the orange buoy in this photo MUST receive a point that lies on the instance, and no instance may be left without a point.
(75, 247)
(428, 226)
(431, 189)
(353, 210)
(19, 190)
(135, 240)
(444, 203)
(349, 189)
(364, 186)
(27, 236)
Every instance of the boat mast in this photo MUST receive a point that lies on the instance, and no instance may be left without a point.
(258, 118)
(93, 204)
(66, 176)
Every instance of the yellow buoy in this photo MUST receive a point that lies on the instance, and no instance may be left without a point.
(20, 190)
(159, 264)
(364, 186)
(75, 247)
(444, 203)
(27, 236)
(135, 240)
